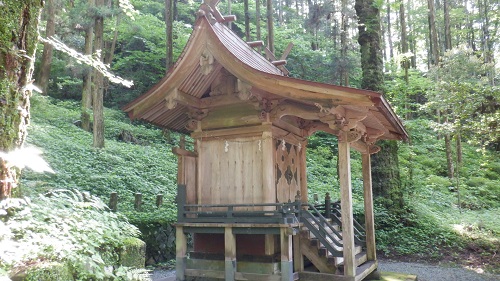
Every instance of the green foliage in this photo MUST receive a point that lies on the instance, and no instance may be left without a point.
(69, 227)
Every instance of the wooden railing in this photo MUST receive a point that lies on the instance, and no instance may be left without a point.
(265, 213)
(314, 217)
(332, 210)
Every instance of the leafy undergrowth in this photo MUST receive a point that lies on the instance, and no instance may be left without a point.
(447, 220)
(68, 227)
(148, 168)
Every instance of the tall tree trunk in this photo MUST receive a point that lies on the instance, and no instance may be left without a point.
(404, 41)
(449, 155)
(412, 43)
(258, 35)
(389, 31)
(19, 29)
(110, 50)
(386, 178)
(46, 60)
(87, 77)
(169, 33)
(270, 26)
(98, 97)
(229, 11)
(447, 27)
(434, 47)
(344, 73)
(247, 21)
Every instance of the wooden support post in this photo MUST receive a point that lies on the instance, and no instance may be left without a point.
(180, 253)
(113, 201)
(286, 255)
(346, 206)
(328, 205)
(230, 254)
(298, 258)
(159, 200)
(371, 253)
(138, 201)
(181, 201)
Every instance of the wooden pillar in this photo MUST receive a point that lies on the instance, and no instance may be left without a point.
(346, 206)
(180, 253)
(230, 254)
(298, 258)
(286, 255)
(268, 184)
(368, 199)
(303, 172)
(268, 179)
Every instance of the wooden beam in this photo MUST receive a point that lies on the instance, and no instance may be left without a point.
(346, 206)
(278, 62)
(229, 254)
(287, 51)
(255, 44)
(180, 253)
(368, 202)
(232, 132)
(220, 101)
(182, 152)
(176, 96)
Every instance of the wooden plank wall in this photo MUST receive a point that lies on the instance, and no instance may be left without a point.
(231, 171)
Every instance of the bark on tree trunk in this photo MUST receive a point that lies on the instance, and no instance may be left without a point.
(449, 156)
(447, 28)
(344, 74)
(169, 33)
(434, 47)
(386, 178)
(16, 70)
(247, 21)
(404, 41)
(87, 77)
(270, 26)
(257, 21)
(389, 31)
(97, 101)
(46, 60)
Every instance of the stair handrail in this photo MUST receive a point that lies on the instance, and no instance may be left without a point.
(333, 211)
(306, 216)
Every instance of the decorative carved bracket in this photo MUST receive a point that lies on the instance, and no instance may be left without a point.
(243, 90)
(197, 114)
(342, 118)
(206, 62)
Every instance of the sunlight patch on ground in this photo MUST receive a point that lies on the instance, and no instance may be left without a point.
(394, 276)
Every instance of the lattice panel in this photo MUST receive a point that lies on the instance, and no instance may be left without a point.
(287, 171)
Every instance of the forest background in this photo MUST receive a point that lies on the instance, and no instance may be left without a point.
(440, 69)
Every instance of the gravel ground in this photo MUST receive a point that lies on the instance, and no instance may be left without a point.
(427, 272)
(424, 272)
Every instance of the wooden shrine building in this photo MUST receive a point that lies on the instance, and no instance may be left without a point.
(242, 192)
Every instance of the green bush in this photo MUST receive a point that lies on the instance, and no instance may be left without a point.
(67, 227)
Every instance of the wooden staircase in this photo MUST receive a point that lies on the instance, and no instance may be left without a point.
(321, 244)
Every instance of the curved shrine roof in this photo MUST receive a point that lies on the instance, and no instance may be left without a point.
(214, 51)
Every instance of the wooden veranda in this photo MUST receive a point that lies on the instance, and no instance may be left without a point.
(242, 192)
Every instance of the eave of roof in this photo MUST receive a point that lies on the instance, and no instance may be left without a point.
(245, 63)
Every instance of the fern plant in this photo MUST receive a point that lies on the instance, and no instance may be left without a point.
(65, 226)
